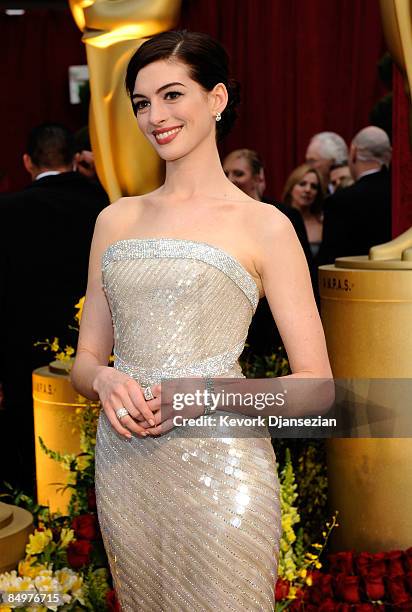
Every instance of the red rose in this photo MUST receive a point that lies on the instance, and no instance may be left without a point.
(91, 500)
(377, 567)
(328, 605)
(78, 553)
(394, 561)
(327, 586)
(407, 605)
(408, 580)
(85, 527)
(342, 607)
(397, 591)
(111, 601)
(374, 588)
(408, 558)
(298, 606)
(316, 576)
(341, 562)
(364, 607)
(295, 606)
(362, 562)
(322, 588)
(348, 588)
(282, 589)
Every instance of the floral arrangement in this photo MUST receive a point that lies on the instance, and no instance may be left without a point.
(297, 562)
(363, 582)
(65, 354)
(65, 555)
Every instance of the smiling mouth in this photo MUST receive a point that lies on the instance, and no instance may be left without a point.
(166, 136)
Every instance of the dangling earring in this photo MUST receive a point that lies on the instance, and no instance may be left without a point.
(218, 116)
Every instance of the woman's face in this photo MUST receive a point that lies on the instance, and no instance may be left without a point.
(305, 191)
(239, 172)
(174, 112)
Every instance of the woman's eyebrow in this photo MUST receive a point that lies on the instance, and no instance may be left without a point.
(138, 95)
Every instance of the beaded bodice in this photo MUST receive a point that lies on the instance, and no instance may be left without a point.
(180, 308)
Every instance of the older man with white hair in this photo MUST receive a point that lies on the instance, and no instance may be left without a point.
(325, 150)
(359, 217)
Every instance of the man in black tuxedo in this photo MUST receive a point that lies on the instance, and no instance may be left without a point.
(359, 217)
(45, 237)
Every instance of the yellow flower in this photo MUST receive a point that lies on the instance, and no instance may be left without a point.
(29, 568)
(292, 592)
(54, 346)
(303, 573)
(66, 536)
(82, 462)
(72, 478)
(38, 542)
(79, 306)
(309, 581)
(5, 608)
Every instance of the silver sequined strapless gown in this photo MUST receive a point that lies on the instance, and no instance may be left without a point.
(190, 524)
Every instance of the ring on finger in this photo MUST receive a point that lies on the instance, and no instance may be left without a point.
(148, 393)
(121, 412)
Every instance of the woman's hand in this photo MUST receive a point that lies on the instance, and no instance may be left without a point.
(118, 390)
(164, 412)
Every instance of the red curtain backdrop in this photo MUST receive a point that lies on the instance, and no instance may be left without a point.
(402, 158)
(37, 50)
(303, 66)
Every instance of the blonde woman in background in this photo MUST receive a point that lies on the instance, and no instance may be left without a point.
(303, 190)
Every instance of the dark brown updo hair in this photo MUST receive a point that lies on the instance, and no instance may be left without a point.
(206, 59)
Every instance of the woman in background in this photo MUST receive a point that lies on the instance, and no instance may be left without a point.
(303, 191)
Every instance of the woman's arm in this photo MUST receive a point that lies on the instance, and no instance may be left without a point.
(90, 374)
(286, 280)
(282, 267)
(96, 332)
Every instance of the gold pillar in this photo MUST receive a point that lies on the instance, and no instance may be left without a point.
(125, 161)
(366, 306)
(55, 402)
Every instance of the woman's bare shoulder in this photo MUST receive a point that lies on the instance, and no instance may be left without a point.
(119, 215)
(120, 207)
(263, 219)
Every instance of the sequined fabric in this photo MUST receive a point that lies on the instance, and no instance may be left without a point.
(190, 524)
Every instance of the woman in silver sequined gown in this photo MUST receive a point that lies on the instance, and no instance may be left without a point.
(190, 523)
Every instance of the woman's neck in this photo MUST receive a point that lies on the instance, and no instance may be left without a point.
(199, 173)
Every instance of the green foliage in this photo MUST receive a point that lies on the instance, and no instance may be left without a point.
(96, 587)
(264, 366)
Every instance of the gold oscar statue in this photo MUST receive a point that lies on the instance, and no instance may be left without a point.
(397, 27)
(366, 305)
(112, 30)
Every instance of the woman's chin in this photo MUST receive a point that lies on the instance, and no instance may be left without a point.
(170, 154)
